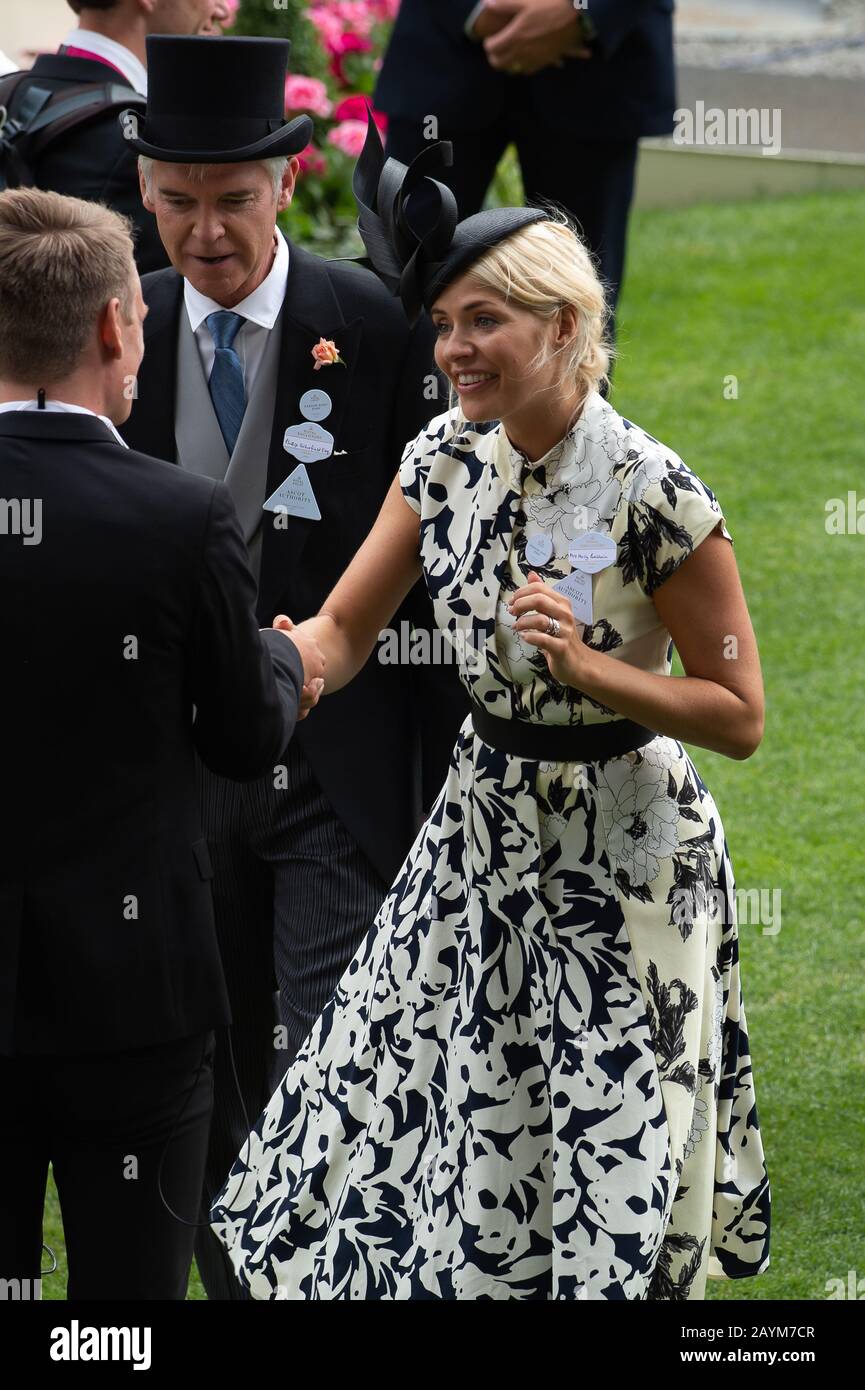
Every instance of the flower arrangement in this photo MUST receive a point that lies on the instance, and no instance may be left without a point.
(335, 56)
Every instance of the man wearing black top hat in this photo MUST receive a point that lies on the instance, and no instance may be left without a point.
(239, 383)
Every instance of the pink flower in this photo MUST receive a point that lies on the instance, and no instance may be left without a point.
(328, 25)
(348, 136)
(344, 27)
(306, 94)
(360, 15)
(350, 42)
(353, 108)
(326, 354)
(312, 161)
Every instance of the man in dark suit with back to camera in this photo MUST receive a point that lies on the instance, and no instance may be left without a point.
(130, 644)
(237, 385)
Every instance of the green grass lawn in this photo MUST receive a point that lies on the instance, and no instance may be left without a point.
(770, 293)
(767, 292)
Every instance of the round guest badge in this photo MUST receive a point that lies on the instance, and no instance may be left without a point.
(539, 549)
(315, 405)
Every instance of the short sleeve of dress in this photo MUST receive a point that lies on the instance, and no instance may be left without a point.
(418, 457)
(670, 512)
(412, 474)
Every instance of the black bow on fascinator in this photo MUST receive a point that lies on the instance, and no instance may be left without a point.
(418, 250)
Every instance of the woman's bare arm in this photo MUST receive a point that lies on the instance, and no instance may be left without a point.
(368, 594)
(718, 703)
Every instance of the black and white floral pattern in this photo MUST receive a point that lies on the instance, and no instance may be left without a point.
(533, 1081)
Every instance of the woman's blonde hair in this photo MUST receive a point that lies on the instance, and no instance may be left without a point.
(543, 267)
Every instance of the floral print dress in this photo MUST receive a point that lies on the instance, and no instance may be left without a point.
(533, 1081)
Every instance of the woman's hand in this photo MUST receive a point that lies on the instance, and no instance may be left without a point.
(312, 658)
(567, 655)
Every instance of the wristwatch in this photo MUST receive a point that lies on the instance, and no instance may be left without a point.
(588, 33)
(469, 26)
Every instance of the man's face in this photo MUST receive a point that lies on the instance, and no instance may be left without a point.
(188, 16)
(219, 230)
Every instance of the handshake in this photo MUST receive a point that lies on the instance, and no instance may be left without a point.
(313, 662)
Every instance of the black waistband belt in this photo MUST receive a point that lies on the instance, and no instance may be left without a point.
(560, 743)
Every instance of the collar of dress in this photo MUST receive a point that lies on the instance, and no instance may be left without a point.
(511, 463)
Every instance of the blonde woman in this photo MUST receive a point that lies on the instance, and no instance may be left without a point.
(533, 1081)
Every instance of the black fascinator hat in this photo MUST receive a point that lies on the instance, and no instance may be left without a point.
(408, 223)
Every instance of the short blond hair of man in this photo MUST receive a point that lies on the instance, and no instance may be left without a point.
(61, 261)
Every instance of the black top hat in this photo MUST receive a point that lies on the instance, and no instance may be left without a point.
(418, 264)
(215, 100)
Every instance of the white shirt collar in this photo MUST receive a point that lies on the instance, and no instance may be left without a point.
(64, 407)
(262, 306)
(132, 68)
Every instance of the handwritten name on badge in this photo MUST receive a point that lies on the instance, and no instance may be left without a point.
(307, 442)
(591, 552)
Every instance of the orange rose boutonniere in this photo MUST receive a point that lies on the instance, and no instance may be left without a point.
(326, 354)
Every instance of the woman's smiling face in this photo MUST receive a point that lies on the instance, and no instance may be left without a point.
(486, 346)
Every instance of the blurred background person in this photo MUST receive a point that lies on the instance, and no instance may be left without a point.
(101, 67)
(572, 88)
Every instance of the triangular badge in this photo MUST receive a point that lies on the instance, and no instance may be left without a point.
(295, 496)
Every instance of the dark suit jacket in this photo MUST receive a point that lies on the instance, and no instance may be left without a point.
(94, 161)
(381, 746)
(627, 89)
(136, 606)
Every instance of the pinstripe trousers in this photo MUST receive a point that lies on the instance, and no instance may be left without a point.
(294, 896)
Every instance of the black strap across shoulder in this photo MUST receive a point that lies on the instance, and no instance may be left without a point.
(33, 115)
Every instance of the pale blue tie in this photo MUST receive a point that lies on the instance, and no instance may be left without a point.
(226, 378)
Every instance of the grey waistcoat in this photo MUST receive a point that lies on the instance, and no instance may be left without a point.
(200, 446)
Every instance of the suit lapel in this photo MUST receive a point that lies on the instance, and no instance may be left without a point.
(151, 426)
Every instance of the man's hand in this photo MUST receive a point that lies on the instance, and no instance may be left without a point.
(490, 21)
(313, 663)
(537, 34)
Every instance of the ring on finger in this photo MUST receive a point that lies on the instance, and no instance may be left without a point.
(553, 627)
